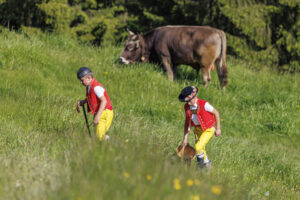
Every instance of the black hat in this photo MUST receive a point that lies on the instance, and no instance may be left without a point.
(188, 93)
(82, 72)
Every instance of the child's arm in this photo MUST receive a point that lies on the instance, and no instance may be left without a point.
(100, 110)
(186, 132)
(218, 126)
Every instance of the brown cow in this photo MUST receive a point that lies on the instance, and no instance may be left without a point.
(197, 46)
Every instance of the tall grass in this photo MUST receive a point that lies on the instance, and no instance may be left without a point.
(46, 153)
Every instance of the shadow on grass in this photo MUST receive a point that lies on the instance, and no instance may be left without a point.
(183, 73)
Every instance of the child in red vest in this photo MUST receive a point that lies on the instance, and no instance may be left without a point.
(202, 116)
(98, 102)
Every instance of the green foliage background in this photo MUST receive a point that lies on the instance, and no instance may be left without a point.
(262, 31)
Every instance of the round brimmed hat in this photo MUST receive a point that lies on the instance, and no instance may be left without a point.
(188, 93)
(82, 72)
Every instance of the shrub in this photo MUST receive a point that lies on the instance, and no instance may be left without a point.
(58, 16)
(257, 30)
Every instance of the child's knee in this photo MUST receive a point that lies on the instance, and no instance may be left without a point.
(199, 147)
(100, 132)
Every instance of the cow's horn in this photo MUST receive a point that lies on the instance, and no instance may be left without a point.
(130, 32)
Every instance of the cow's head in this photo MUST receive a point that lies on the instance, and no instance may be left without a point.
(132, 49)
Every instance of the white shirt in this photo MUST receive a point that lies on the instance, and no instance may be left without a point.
(207, 107)
(99, 91)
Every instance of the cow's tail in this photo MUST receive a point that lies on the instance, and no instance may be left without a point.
(221, 61)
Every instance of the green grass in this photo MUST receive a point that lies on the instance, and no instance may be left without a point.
(45, 151)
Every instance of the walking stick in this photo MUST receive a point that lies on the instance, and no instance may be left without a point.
(86, 120)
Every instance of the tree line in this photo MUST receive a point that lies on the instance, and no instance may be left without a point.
(262, 31)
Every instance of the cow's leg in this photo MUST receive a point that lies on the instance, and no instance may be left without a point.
(222, 72)
(206, 73)
(175, 70)
(168, 67)
(206, 76)
(209, 71)
(219, 70)
(206, 65)
(197, 67)
(207, 62)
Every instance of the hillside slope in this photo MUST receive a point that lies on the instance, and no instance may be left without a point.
(46, 152)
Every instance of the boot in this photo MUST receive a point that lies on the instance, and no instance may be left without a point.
(107, 137)
(208, 165)
(200, 163)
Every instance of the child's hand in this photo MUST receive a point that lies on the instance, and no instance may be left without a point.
(184, 142)
(96, 119)
(218, 132)
(80, 103)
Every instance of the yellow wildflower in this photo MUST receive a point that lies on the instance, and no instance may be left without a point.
(126, 140)
(195, 197)
(106, 73)
(126, 175)
(148, 177)
(216, 190)
(176, 184)
(189, 182)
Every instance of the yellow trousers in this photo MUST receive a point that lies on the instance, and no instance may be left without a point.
(104, 123)
(202, 139)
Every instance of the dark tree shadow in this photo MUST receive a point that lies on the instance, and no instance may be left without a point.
(182, 72)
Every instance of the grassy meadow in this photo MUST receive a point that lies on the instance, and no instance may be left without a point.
(46, 153)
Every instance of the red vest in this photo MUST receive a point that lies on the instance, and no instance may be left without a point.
(206, 119)
(93, 101)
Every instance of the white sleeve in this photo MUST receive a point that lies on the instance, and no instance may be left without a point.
(208, 107)
(99, 91)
